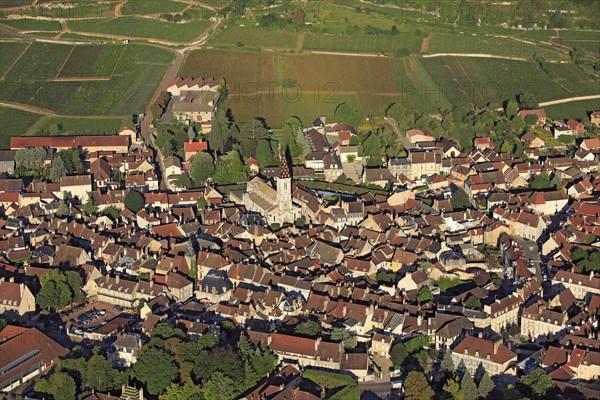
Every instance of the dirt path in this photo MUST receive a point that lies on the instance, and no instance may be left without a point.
(474, 55)
(118, 9)
(299, 42)
(339, 53)
(569, 99)
(28, 108)
(426, 42)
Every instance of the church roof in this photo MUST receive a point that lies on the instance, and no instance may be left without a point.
(284, 168)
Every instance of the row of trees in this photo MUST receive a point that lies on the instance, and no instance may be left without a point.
(32, 163)
(59, 289)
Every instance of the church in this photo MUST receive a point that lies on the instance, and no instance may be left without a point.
(275, 204)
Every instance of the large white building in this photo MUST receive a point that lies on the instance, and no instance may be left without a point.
(275, 204)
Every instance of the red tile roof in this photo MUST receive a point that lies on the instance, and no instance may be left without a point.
(68, 141)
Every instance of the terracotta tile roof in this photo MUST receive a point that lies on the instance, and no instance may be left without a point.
(472, 346)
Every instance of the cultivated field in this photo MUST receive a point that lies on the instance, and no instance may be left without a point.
(14, 123)
(28, 24)
(133, 7)
(92, 61)
(470, 43)
(78, 126)
(64, 79)
(407, 42)
(480, 81)
(143, 28)
(576, 109)
(11, 51)
(252, 37)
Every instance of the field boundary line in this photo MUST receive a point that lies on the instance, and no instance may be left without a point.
(79, 79)
(470, 80)
(474, 55)
(64, 62)
(28, 108)
(18, 58)
(118, 61)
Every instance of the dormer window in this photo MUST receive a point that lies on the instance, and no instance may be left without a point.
(476, 354)
(466, 351)
(488, 356)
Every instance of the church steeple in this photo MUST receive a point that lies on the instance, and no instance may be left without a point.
(284, 185)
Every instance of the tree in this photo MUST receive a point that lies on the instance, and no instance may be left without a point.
(57, 169)
(156, 369)
(452, 387)
(112, 212)
(288, 139)
(63, 209)
(527, 100)
(342, 335)
(394, 30)
(219, 387)
(346, 113)
(249, 134)
(187, 391)
(264, 153)
(202, 168)
(486, 386)
(473, 303)
(416, 387)
(448, 363)
(511, 109)
(30, 162)
(89, 207)
(541, 181)
(71, 159)
(537, 383)
(460, 199)
(424, 295)
(398, 354)
(468, 387)
(101, 376)
(183, 181)
(308, 328)
(60, 386)
(230, 169)
(134, 201)
(54, 294)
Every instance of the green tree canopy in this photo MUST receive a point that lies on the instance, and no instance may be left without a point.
(486, 386)
(101, 376)
(134, 201)
(424, 295)
(468, 387)
(60, 386)
(264, 153)
(348, 114)
(398, 354)
(202, 168)
(536, 384)
(155, 369)
(473, 303)
(416, 387)
(308, 328)
(230, 169)
(249, 135)
(89, 207)
(460, 200)
(187, 391)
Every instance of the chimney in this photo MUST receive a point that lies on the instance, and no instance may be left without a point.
(117, 278)
(317, 342)
(11, 279)
(497, 345)
(344, 309)
(151, 282)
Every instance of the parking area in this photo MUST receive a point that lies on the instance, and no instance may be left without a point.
(88, 317)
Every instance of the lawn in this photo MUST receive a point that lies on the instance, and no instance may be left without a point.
(496, 45)
(575, 110)
(330, 380)
(28, 24)
(133, 7)
(142, 28)
(92, 61)
(14, 123)
(10, 51)
(252, 37)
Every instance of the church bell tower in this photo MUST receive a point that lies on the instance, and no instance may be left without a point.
(284, 185)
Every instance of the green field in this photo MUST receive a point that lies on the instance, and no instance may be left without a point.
(14, 123)
(255, 38)
(142, 7)
(92, 61)
(134, 78)
(407, 42)
(10, 51)
(142, 28)
(576, 110)
(32, 25)
(74, 125)
(468, 43)
(481, 80)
